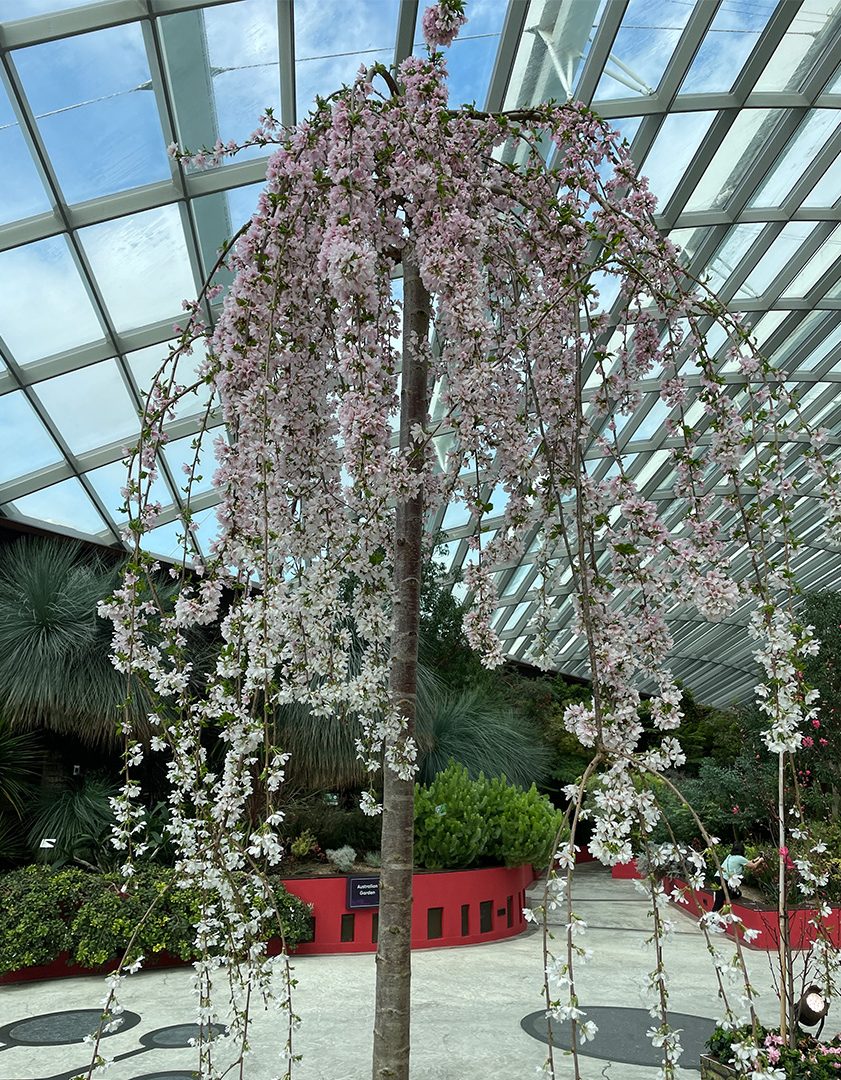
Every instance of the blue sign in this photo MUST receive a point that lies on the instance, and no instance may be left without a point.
(363, 892)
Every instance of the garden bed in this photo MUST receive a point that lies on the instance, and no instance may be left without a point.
(765, 921)
(460, 907)
(450, 907)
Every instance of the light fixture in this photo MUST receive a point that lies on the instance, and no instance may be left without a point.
(812, 1008)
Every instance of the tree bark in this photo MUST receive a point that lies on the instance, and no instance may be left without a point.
(394, 949)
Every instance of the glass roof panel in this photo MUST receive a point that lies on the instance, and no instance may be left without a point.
(333, 38)
(727, 44)
(677, 141)
(141, 266)
(825, 257)
(728, 256)
(642, 48)
(164, 540)
(25, 443)
(242, 42)
(470, 58)
(820, 352)
(23, 192)
(827, 190)
(44, 307)
(747, 136)
(23, 9)
(145, 363)
(90, 406)
(786, 245)
(242, 203)
(66, 504)
(803, 148)
(108, 482)
(803, 42)
(180, 455)
(95, 91)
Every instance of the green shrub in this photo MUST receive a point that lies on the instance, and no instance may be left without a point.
(37, 906)
(522, 825)
(450, 830)
(45, 912)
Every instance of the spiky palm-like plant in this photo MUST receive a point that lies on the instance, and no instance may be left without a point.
(55, 671)
(471, 726)
(77, 816)
(481, 731)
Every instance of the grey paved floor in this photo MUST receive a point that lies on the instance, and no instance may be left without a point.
(468, 1004)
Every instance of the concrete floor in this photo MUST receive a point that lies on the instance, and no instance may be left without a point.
(467, 1004)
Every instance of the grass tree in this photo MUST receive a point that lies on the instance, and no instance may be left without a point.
(505, 228)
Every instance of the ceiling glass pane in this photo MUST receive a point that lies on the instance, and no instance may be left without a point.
(827, 190)
(803, 42)
(736, 245)
(242, 43)
(745, 139)
(471, 57)
(90, 407)
(647, 38)
(676, 144)
(23, 193)
(164, 540)
(784, 248)
(44, 308)
(826, 256)
(67, 505)
(550, 57)
(333, 38)
(141, 266)
(180, 455)
(727, 44)
(242, 203)
(144, 365)
(25, 444)
(821, 350)
(803, 148)
(23, 9)
(95, 91)
(108, 481)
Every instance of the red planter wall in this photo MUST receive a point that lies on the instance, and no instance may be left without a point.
(766, 923)
(456, 907)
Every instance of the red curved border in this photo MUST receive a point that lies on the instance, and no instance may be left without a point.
(450, 907)
(766, 922)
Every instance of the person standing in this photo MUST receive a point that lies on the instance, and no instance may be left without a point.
(733, 867)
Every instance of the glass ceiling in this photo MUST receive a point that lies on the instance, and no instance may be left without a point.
(732, 108)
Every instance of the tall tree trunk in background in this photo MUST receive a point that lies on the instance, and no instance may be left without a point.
(394, 950)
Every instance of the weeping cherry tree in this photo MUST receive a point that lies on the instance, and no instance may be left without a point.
(346, 427)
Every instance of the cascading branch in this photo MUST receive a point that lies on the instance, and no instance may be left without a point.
(514, 223)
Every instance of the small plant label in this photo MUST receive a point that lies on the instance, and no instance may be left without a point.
(363, 892)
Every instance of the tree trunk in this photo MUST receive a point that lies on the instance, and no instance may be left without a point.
(394, 949)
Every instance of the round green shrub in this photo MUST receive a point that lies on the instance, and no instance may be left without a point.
(521, 825)
(450, 830)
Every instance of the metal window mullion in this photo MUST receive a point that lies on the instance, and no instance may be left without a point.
(602, 43)
(405, 36)
(286, 62)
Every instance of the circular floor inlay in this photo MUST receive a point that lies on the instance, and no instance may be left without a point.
(62, 1028)
(621, 1035)
(178, 1035)
(168, 1076)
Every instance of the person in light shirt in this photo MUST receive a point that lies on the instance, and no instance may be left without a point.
(733, 867)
